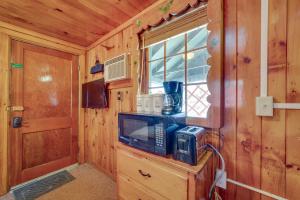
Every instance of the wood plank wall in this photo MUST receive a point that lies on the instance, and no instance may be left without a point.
(101, 124)
(4, 102)
(260, 151)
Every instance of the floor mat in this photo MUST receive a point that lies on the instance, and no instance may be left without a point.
(40, 187)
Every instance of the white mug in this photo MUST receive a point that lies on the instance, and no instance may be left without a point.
(158, 101)
(140, 103)
(148, 103)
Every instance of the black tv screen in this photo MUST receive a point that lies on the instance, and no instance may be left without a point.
(94, 94)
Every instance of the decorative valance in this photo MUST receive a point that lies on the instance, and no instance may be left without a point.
(191, 16)
(175, 23)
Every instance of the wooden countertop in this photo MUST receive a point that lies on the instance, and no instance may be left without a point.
(169, 160)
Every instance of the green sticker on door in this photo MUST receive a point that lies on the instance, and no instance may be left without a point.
(16, 65)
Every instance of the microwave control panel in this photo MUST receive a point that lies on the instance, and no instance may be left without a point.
(159, 135)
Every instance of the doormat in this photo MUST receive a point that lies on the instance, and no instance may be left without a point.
(43, 186)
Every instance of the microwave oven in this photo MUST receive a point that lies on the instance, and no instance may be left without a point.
(153, 133)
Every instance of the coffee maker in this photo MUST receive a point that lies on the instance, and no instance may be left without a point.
(173, 97)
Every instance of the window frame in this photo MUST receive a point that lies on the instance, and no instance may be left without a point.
(212, 13)
(165, 57)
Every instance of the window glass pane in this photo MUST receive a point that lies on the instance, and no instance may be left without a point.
(197, 66)
(196, 91)
(197, 38)
(156, 51)
(156, 73)
(156, 90)
(197, 105)
(175, 68)
(175, 45)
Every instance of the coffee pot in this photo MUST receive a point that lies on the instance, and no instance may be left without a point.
(173, 97)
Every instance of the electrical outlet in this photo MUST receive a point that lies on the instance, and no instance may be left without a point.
(120, 96)
(222, 182)
(264, 106)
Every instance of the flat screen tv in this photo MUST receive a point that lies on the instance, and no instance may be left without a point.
(94, 94)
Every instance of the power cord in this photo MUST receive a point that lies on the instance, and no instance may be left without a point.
(217, 196)
(217, 178)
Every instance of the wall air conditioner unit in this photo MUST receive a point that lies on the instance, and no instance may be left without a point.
(117, 68)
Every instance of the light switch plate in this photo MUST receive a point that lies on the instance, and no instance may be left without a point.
(264, 106)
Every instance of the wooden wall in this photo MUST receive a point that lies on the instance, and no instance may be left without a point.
(260, 151)
(4, 100)
(101, 124)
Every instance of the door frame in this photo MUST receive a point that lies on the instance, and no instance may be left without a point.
(7, 34)
(18, 173)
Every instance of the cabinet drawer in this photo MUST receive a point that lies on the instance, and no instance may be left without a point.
(166, 181)
(131, 190)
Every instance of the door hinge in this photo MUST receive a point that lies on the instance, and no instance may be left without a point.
(78, 67)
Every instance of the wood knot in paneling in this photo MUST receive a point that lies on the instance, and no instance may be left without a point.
(282, 43)
(246, 145)
(108, 48)
(293, 92)
(58, 10)
(21, 20)
(249, 146)
(247, 60)
(289, 166)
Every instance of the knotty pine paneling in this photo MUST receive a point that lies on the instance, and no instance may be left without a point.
(265, 154)
(101, 125)
(293, 96)
(273, 129)
(4, 102)
(259, 151)
(248, 167)
(229, 130)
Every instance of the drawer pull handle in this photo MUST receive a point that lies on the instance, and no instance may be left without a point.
(144, 174)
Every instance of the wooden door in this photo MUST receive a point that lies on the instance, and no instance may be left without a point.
(44, 93)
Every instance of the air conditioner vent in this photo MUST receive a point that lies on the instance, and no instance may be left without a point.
(116, 68)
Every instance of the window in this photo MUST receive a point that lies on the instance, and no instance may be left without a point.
(182, 58)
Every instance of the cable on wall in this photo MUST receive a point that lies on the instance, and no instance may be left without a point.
(217, 177)
(264, 48)
(264, 58)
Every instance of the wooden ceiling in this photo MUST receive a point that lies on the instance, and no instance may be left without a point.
(78, 21)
